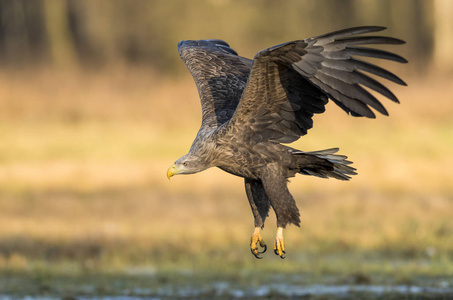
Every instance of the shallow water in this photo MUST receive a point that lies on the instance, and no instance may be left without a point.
(223, 289)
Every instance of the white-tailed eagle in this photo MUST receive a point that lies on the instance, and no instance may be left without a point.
(250, 107)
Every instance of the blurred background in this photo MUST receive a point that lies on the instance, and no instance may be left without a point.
(95, 104)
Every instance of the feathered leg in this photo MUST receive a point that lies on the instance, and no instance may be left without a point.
(282, 202)
(259, 202)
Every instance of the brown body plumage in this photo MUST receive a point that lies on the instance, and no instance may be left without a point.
(250, 107)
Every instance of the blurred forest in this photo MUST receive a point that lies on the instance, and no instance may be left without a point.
(137, 32)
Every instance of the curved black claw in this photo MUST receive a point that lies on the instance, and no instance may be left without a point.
(281, 256)
(258, 253)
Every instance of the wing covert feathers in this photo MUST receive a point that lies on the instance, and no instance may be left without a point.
(293, 81)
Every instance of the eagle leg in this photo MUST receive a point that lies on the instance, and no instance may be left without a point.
(255, 240)
(279, 244)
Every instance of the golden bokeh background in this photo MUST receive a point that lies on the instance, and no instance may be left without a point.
(95, 104)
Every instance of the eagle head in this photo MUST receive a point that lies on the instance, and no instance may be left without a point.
(187, 164)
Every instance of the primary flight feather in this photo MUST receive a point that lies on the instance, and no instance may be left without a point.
(250, 107)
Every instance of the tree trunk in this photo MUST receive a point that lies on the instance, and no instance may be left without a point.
(61, 43)
(443, 38)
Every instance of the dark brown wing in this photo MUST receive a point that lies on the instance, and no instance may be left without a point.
(292, 81)
(220, 75)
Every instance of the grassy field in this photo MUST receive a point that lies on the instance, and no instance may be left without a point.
(86, 208)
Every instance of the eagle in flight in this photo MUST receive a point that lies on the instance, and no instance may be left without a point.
(250, 108)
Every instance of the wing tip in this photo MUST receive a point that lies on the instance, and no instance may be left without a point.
(399, 41)
(365, 28)
(374, 27)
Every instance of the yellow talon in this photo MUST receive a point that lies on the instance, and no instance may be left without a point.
(279, 244)
(256, 238)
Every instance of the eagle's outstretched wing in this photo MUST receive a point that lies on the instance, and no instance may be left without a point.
(220, 75)
(290, 82)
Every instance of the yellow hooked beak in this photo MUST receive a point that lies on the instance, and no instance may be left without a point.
(172, 171)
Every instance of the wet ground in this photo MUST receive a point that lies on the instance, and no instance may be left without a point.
(224, 290)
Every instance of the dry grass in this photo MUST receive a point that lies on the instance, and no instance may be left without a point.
(82, 182)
